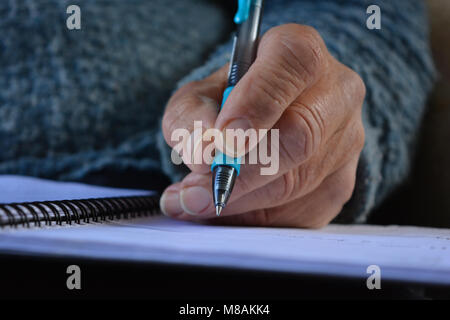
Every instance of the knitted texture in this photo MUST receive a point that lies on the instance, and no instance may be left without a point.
(72, 103)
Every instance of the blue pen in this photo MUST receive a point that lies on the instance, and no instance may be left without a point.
(248, 18)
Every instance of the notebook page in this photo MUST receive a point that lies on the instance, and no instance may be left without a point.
(402, 253)
(27, 189)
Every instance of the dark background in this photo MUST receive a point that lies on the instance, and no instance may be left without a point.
(24, 277)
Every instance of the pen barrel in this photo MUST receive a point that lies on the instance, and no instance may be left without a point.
(237, 71)
(245, 44)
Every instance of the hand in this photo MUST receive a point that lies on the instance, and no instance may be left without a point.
(296, 86)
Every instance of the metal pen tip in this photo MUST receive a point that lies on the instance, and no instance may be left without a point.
(218, 210)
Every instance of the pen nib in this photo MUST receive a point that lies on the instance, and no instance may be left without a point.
(218, 210)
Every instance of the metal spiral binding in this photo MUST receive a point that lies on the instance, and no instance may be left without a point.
(28, 214)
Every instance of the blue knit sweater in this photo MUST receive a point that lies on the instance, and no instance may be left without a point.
(73, 103)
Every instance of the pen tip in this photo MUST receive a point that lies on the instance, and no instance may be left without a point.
(218, 210)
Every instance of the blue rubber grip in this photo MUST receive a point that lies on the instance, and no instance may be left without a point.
(243, 11)
(222, 159)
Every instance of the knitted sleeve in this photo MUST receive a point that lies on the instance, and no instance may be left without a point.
(396, 66)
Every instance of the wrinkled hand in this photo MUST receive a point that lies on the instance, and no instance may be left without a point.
(296, 86)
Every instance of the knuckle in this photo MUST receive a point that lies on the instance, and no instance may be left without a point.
(188, 88)
(312, 36)
(188, 91)
(341, 193)
(355, 87)
(306, 46)
(360, 137)
(310, 129)
(292, 150)
(301, 49)
(347, 189)
(167, 124)
(288, 187)
(355, 138)
(305, 177)
(293, 146)
(186, 102)
(174, 114)
(359, 85)
(266, 92)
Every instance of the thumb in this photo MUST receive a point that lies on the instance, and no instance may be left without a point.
(290, 59)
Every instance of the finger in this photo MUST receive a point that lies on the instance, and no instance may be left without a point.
(170, 201)
(196, 195)
(290, 59)
(319, 132)
(252, 188)
(314, 210)
(312, 155)
(195, 103)
(171, 206)
(319, 113)
(285, 190)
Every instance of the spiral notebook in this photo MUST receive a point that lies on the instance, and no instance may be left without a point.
(31, 202)
(120, 224)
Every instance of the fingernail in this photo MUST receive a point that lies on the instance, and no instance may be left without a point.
(170, 204)
(235, 146)
(194, 200)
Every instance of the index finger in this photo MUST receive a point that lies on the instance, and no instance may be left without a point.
(195, 102)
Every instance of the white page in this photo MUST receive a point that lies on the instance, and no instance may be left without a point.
(402, 253)
(28, 189)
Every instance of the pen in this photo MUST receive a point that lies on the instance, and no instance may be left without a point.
(225, 169)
